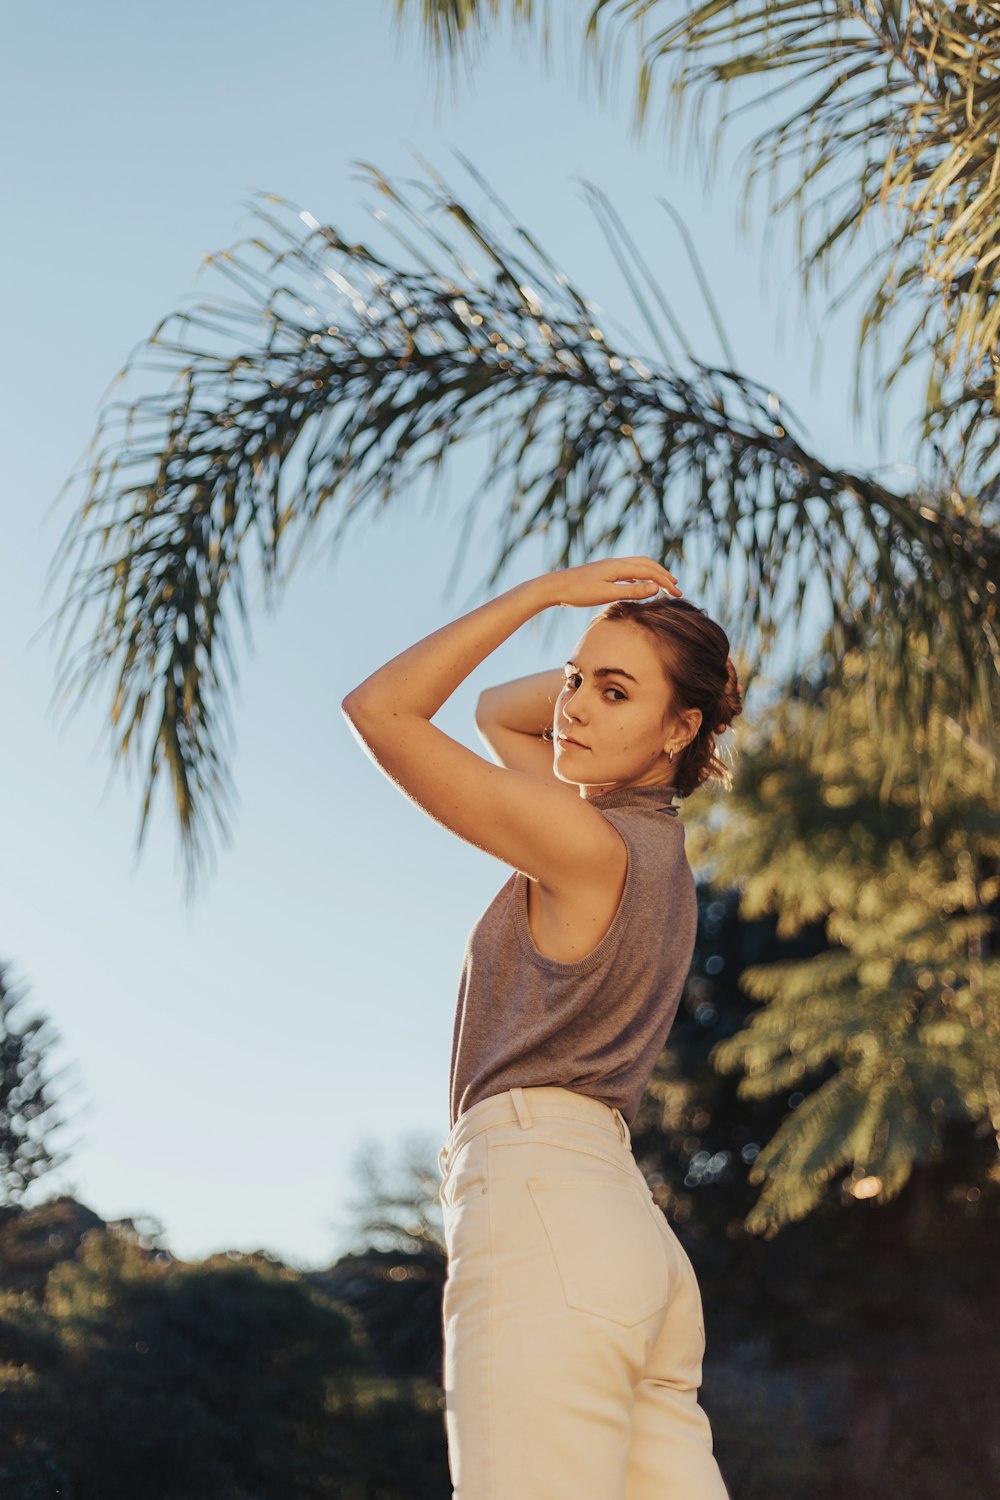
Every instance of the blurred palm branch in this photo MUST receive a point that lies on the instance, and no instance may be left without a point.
(356, 372)
(896, 106)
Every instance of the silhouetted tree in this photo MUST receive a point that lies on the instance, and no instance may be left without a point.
(28, 1112)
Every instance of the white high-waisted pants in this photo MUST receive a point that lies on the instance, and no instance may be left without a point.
(572, 1319)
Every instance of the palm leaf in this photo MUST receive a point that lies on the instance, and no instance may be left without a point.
(904, 117)
(365, 373)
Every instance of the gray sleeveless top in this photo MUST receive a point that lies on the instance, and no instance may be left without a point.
(598, 1024)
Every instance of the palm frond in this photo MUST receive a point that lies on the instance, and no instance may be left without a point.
(903, 116)
(362, 373)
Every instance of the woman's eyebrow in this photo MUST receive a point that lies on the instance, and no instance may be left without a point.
(606, 672)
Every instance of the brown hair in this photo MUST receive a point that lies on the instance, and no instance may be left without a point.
(695, 655)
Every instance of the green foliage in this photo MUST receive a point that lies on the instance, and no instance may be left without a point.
(905, 1007)
(232, 1379)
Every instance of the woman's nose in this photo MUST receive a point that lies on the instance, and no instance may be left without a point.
(571, 710)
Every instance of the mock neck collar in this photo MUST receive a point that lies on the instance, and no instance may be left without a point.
(653, 797)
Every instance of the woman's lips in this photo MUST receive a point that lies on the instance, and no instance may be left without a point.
(575, 744)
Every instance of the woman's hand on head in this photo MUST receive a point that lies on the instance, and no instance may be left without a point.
(607, 579)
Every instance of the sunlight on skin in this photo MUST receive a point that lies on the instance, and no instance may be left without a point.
(616, 706)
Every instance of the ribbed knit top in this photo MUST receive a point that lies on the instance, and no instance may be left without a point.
(597, 1024)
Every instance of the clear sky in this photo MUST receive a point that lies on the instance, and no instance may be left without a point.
(225, 1066)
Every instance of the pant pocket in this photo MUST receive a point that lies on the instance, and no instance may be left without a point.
(606, 1246)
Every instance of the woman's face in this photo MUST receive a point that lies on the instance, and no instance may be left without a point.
(622, 718)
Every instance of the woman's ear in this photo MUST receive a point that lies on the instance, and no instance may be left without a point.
(692, 722)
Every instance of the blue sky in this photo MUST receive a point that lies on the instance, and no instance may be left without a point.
(225, 1065)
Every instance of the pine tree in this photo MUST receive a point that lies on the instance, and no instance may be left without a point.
(27, 1109)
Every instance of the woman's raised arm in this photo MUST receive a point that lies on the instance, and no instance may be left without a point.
(525, 704)
(523, 819)
(510, 719)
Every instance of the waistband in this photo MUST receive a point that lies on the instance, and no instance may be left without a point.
(528, 1105)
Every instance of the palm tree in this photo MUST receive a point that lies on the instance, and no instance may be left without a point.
(369, 369)
(905, 102)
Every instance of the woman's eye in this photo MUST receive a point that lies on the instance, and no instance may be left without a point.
(621, 695)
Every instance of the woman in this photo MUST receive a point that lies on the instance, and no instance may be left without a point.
(572, 1319)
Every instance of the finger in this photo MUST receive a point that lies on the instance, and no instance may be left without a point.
(647, 567)
(669, 576)
(656, 570)
(657, 567)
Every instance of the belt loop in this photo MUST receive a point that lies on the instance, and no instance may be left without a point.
(517, 1095)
